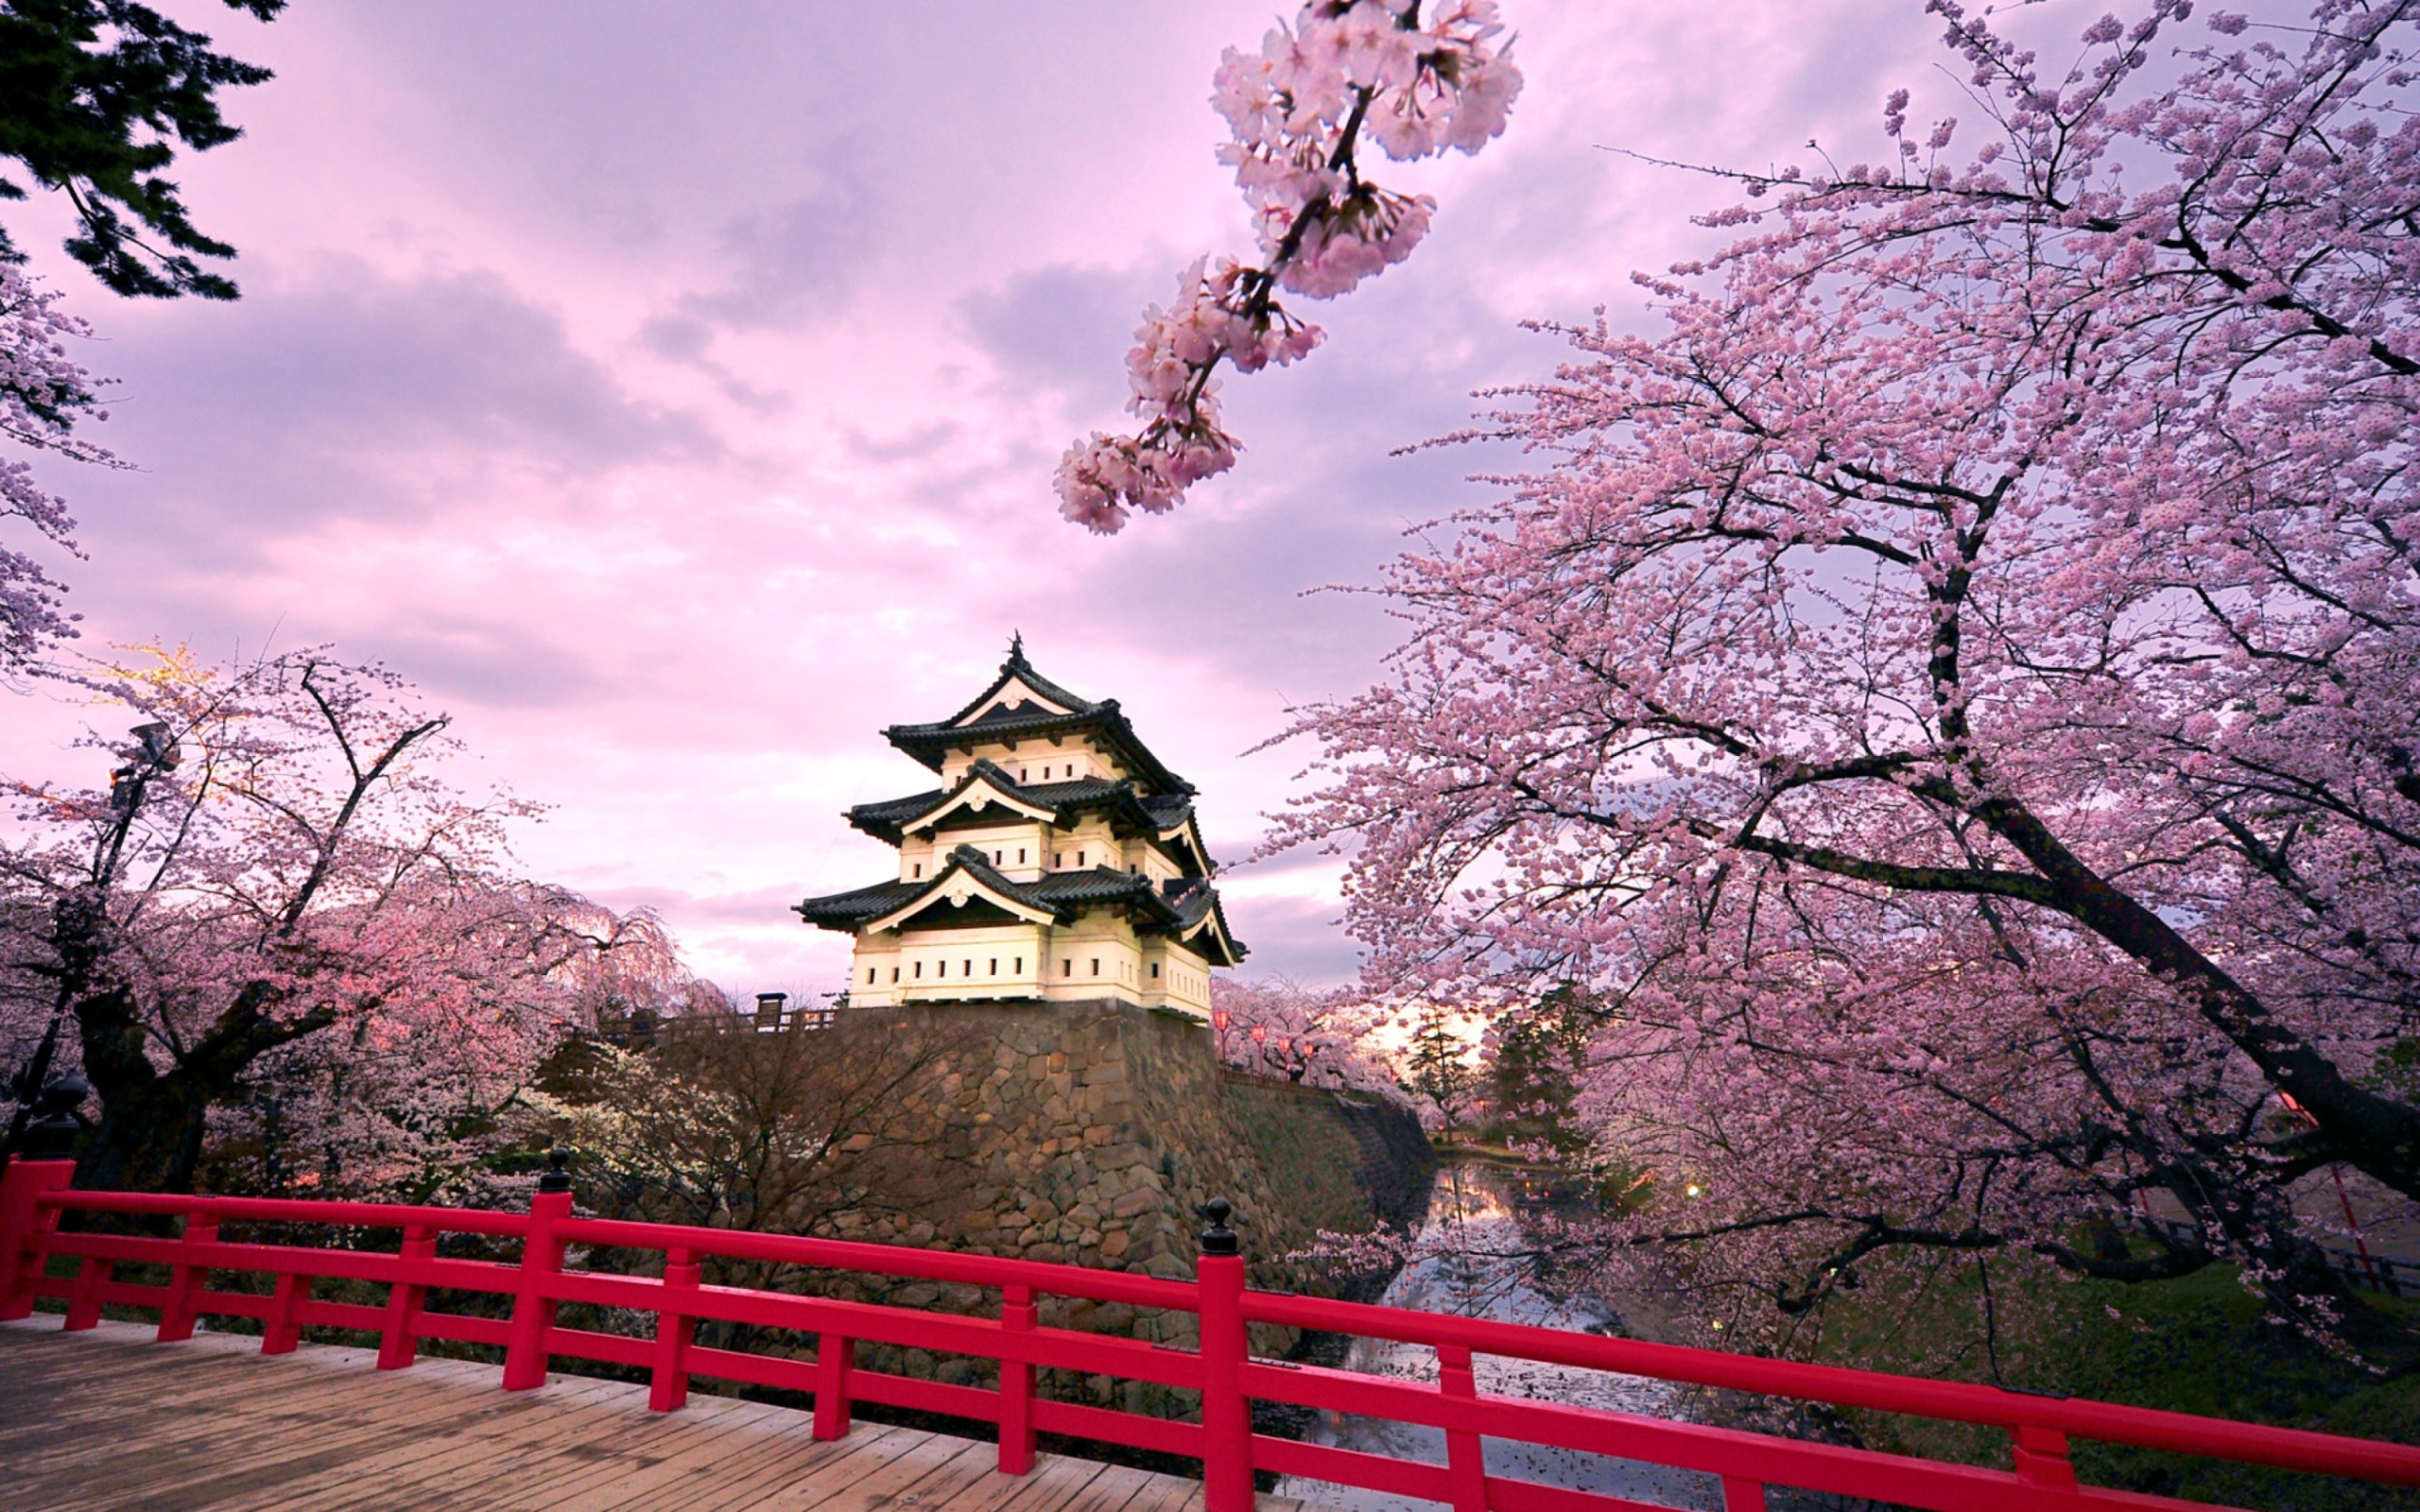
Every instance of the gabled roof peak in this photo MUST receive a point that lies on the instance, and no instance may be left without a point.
(1017, 670)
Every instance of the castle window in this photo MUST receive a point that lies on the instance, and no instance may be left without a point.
(1080, 858)
(1021, 771)
(940, 967)
(993, 968)
(917, 871)
(1066, 967)
(1155, 971)
(869, 976)
(920, 970)
(1020, 966)
(995, 858)
(895, 974)
(1096, 966)
(966, 968)
(1020, 855)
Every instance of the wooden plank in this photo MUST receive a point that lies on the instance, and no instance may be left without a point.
(255, 1448)
(735, 1439)
(627, 1445)
(1056, 1481)
(1156, 1492)
(108, 1418)
(200, 1434)
(302, 1418)
(475, 1444)
(787, 1452)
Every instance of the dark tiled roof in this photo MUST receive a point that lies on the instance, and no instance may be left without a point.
(847, 910)
(1017, 667)
(1168, 809)
(1175, 909)
(1055, 794)
(1198, 901)
(930, 743)
(889, 820)
(882, 821)
(1093, 885)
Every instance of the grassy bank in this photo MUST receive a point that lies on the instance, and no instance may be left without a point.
(2199, 1345)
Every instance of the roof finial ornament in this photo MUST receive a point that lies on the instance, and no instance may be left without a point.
(1016, 646)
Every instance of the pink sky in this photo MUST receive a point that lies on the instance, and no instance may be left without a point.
(672, 391)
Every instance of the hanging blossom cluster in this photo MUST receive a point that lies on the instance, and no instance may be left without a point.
(1299, 109)
(41, 394)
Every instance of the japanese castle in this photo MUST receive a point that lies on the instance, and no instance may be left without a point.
(1058, 859)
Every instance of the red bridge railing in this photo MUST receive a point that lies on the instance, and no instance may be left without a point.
(34, 1195)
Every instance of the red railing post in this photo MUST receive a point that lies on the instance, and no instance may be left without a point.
(1226, 1417)
(2041, 1457)
(1742, 1496)
(835, 1358)
(22, 1224)
(84, 1302)
(399, 1341)
(542, 1255)
(1465, 1457)
(667, 1386)
(283, 1332)
(1017, 1316)
(185, 1279)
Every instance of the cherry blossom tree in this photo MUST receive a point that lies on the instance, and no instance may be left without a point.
(280, 897)
(1299, 111)
(1277, 1028)
(43, 392)
(1945, 693)
(423, 1099)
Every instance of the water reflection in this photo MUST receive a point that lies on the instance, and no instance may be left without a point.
(1470, 1259)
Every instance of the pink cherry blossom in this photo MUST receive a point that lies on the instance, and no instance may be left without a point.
(43, 393)
(1297, 109)
(1944, 694)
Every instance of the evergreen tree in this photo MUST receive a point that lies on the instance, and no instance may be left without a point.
(95, 98)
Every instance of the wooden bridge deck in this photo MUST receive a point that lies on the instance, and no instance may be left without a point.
(108, 1418)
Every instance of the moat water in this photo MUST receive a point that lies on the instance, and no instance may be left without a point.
(1468, 1259)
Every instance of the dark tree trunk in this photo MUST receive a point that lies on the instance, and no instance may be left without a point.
(149, 1140)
